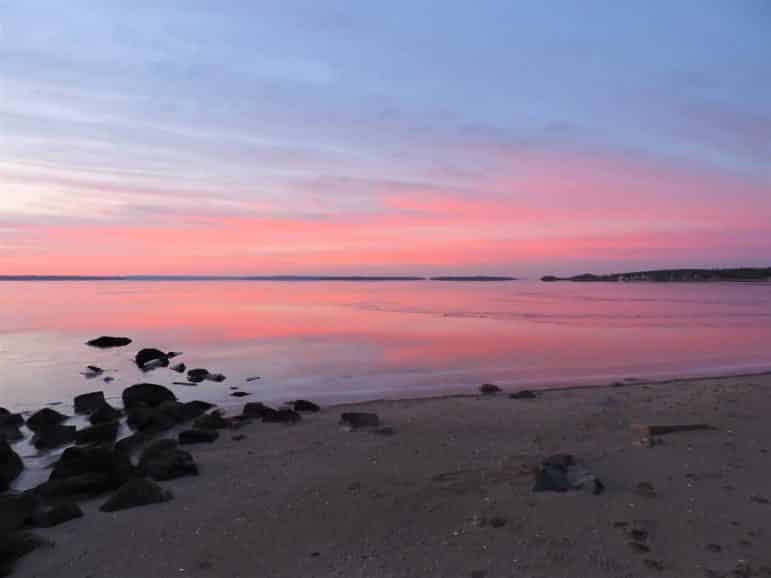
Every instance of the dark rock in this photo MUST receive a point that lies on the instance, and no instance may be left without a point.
(197, 436)
(109, 379)
(147, 394)
(196, 408)
(105, 413)
(45, 417)
(212, 420)
(386, 430)
(305, 405)
(218, 377)
(197, 375)
(105, 432)
(77, 461)
(239, 437)
(10, 433)
(106, 341)
(283, 416)
(240, 394)
(15, 545)
(654, 564)
(83, 485)
(149, 419)
(56, 515)
(561, 472)
(163, 460)
(150, 358)
(53, 436)
(136, 492)
(89, 402)
(498, 521)
(646, 490)
(8, 418)
(658, 430)
(257, 410)
(714, 548)
(489, 389)
(15, 510)
(357, 420)
(179, 367)
(523, 394)
(130, 443)
(638, 547)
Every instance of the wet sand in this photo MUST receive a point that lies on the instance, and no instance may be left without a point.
(450, 494)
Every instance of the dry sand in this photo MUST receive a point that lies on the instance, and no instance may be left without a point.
(450, 494)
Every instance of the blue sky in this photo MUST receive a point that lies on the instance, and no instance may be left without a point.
(148, 114)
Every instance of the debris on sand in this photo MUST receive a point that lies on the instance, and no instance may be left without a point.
(561, 473)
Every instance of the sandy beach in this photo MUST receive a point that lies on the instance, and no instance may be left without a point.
(449, 493)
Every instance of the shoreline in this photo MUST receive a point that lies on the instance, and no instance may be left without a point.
(446, 489)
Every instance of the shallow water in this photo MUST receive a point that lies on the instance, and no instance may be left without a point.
(346, 341)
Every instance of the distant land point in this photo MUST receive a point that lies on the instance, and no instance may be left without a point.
(673, 276)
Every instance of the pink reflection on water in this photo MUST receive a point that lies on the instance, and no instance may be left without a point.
(342, 340)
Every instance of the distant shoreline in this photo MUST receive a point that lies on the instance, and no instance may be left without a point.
(733, 275)
(477, 278)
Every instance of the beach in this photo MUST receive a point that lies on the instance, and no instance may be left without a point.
(448, 491)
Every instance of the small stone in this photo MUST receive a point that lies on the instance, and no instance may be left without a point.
(356, 420)
(714, 548)
(654, 564)
(757, 499)
(238, 438)
(638, 534)
(498, 521)
(638, 547)
(646, 490)
(489, 389)
(240, 394)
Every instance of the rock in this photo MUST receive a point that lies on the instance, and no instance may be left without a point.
(240, 394)
(8, 418)
(150, 358)
(714, 548)
(105, 432)
(106, 342)
(104, 413)
(305, 405)
(638, 547)
(218, 377)
(196, 408)
(147, 394)
(283, 416)
(89, 402)
(45, 417)
(489, 389)
(654, 564)
(257, 410)
(758, 499)
(162, 460)
(197, 436)
(15, 545)
(498, 521)
(56, 515)
(10, 433)
(130, 443)
(86, 484)
(15, 510)
(386, 430)
(212, 420)
(658, 430)
(53, 436)
(197, 375)
(179, 367)
(76, 461)
(136, 492)
(646, 490)
(561, 472)
(238, 438)
(523, 394)
(150, 419)
(356, 420)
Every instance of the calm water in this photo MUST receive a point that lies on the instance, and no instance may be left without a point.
(339, 341)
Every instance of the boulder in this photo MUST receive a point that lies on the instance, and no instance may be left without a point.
(523, 394)
(9, 425)
(105, 413)
(218, 377)
(163, 460)
(106, 341)
(89, 402)
(105, 432)
(561, 472)
(150, 358)
(10, 433)
(305, 405)
(257, 410)
(146, 394)
(53, 436)
(283, 416)
(196, 408)
(136, 492)
(356, 420)
(15, 510)
(197, 375)
(83, 485)
(130, 443)
(179, 367)
(10, 465)
(212, 420)
(150, 419)
(56, 515)
(76, 461)
(45, 417)
(15, 545)
(489, 389)
(8, 418)
(198, 436)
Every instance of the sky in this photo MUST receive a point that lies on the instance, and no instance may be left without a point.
(400, 137)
